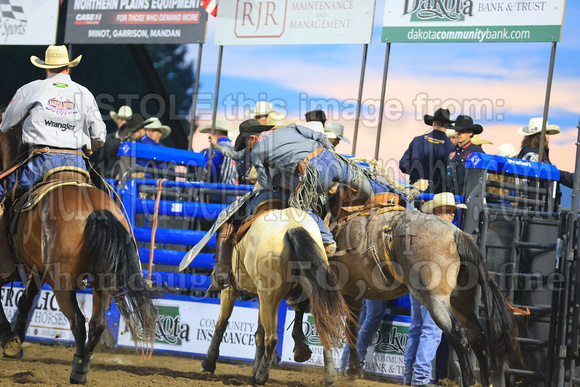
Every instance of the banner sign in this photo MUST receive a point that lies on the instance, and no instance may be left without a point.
(188, 327)
(28, 22)
(472, 21)
(135, 22)
(247, 22)
(385, 356)
(47, 321)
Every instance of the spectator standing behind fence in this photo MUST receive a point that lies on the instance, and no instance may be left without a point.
(335, 133)
(530, 149)
(427, 155)
(465, 129)
(424, 334)
(108, 157)
(223, 166)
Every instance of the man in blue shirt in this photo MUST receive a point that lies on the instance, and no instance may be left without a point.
(427, 155)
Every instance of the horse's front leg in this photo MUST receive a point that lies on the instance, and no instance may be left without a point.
(11, 343)
(268, 312)
(302, 351)
(227, 300)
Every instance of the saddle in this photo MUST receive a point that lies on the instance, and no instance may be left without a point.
(262, 208)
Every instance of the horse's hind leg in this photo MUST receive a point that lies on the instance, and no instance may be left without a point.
(354, 369)
(98, 321)
(227, 299)
(302, 351)
(269, 320)
(67, 301)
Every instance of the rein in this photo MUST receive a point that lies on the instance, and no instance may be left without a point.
(154, 227)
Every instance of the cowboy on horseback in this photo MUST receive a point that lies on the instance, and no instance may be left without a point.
(59, 118)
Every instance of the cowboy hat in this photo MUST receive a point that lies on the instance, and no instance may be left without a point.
(506, 150)
(277, 120)
(124, 112)
(450, 133)
(478, 140)
(155, 124)
(220, 124)
(440, 115)
(440, 200)
(55, 57)
(535, 126)
(262, 108)
(466, 123)
(135, 123)
(335, 130)
(247, 128)
(315, 126)
(315, 115)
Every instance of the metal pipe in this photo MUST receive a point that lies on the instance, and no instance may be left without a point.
(382, 102)
(214, 112)
(359, 99)
(547, 101)
(194, 101)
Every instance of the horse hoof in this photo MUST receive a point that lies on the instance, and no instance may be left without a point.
(302, 354)
(12, 347)
(207, 366)
(252, 380)
(354, 374)
(205, 371)
(78, 378)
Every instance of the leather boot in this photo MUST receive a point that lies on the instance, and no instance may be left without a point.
(220, 277)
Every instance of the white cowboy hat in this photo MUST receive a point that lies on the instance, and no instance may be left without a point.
(55, 57)
(535, 126)
(475, 139)
(315, 125)
(277, 120)
(156, 124)
(450, 133)
(506, 150)
(440, 200)
(335, 130)
(220, 124)
(262, 108)
(124, 112)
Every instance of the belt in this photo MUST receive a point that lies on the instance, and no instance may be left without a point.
(302, 164)
(57, 150)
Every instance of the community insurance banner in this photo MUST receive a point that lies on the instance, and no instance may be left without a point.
(248, 22)
(135, 22)
(473, 21)
(28, 22)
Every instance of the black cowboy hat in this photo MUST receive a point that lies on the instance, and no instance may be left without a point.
(441, 115)
(466, 123)
(133, 124)
(247, 128)
(315, 115)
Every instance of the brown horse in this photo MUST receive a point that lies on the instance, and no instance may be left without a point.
(281, 252)
(73, 233)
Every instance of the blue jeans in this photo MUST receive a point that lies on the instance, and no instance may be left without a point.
(371, 317)
(422, 344)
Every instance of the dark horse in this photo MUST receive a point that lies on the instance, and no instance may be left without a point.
(75, 232)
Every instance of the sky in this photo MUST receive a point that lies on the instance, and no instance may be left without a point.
(501, 85)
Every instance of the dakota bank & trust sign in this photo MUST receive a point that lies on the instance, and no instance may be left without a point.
(473, 21)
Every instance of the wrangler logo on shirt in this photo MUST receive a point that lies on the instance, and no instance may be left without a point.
(61, 106)
(59, 125)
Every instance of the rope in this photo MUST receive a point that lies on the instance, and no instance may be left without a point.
(306, 195)
(154, 228)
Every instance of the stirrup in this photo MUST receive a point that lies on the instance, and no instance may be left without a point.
(219, 283)
(330, 248)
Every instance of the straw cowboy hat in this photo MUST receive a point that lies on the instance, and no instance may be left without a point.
(155, 124)
(440, 200)
(506, 150)
(277, 120)
(124, 112)
(450, 133)
(478, 140)
(262, 108)
(315, 125)
(55, 57)
(535, 126)
(220, 124)
(335, 130)
(441, 115)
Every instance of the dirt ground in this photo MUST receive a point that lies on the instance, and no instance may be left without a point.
(48, 365)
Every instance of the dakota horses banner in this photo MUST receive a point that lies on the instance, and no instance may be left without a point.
(472, 21)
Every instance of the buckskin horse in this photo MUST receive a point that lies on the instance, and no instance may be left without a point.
(280, 254)
(69, 231)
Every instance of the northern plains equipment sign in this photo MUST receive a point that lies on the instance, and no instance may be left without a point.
(28, 22)
(473, 21)
(135, 22)
(248, 22)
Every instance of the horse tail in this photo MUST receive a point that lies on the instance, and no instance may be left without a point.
(501, 326)
(118, 271)
(320, 284)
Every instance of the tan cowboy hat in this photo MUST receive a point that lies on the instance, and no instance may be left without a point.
(315, 125)
(506, 150)
(156, 124)
(55, 57)
(220, 124)
(262, 108)
(479, 141)
(535, 126)
(277, 120)
(124, 112)
(335, 130)
(440, 200)
(450, 133)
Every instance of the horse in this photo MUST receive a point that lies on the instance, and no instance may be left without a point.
(74, 233)
(280, 256)
(387, 252)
